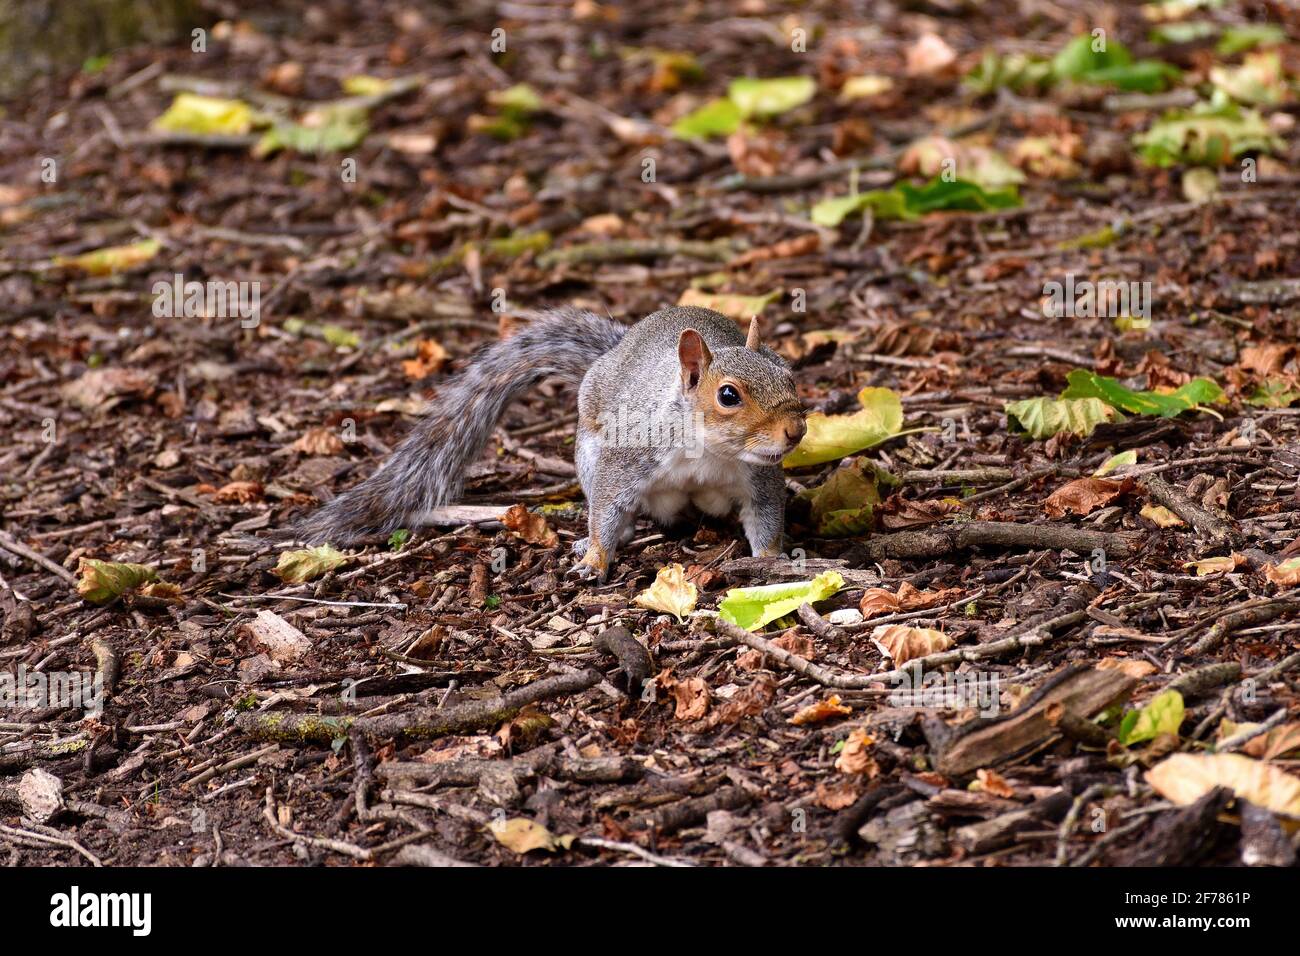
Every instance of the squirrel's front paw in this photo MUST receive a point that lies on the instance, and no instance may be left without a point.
(593, 566)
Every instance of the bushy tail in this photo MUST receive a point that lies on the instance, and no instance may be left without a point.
(428, 466)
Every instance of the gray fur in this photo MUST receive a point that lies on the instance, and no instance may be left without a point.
(427, 468)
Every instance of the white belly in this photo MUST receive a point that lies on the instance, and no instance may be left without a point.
(713, 485)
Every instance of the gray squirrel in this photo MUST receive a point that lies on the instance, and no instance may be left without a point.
(681, 408)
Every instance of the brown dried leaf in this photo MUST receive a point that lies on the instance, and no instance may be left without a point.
(904, 643)
(318, 441)
(815, 713)
(855, 757)
(529, 526)
(1084, 495)
(430, 357)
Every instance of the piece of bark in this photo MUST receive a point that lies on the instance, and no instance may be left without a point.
(946, 540)
(1207, 524)
(687, 812)
(989, 835)
(1076, 728)
(630, 653)
(1181, 836)
(283, 642)
(1202, 680)
(423, 722)
(988, 742)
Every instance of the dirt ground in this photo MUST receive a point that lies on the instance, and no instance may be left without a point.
(451, 697)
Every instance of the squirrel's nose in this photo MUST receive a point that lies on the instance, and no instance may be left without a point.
(794, 432)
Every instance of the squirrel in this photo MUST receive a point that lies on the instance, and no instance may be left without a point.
(680, 408)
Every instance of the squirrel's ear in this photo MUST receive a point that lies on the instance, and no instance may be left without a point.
(753, 342)
(694, 356)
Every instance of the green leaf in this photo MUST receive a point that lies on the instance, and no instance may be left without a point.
(1259, 80)
(753, 608)
(1019, 72)
(716, 118)
(103, 581)
(397, 540)
(1085, 384)
(208, 116)
(830, 437)
(518, 100)
(1113, 65)
(295, 567)
(327, 130)
(883, 203)
(960, 194)
(1275, 393)
(771, 97)
(1248, 36)
(1187, 32)
(844, 504)
(1044, 417)
(1163, 714)
(1209, 134)
(1123, 460)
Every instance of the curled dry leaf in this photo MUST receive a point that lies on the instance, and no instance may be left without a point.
(430, 357)
(877, 601)
(1286, 574)
(1276, 742)
(1185, 778)
(670, 593)
(102, 581)
(691, 696)
(280, 639)
(102, 388)
(898, 513)
(521, 836)
(529, 526)
(903, 643)
(990, 781)
(815, 713)
(237, 492)
(1161, 516)
(856, 757)
(318, 441)
(295, 567)
(1219, 565)
(1084, 495)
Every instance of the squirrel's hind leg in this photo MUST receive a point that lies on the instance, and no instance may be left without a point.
(613, 494)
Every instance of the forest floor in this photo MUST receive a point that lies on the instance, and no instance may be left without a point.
(359, 717)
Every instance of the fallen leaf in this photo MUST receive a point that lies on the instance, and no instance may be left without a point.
(862, 87)
(815, 713)
(239, 492)
(295, 567)
(521, 836)
(1273, 743)
(1161, 516)
(1083, 495)
(208, 116)
(529, 526)
(1163, 714)
(855, 756)
(102, 581)
(1123, 460)
(671, 593)
(739, 307)
(877, 601)
(691, 696)
(318, 441)
(753, 608)
(929, 55)
(1220, 565)
(1045, 417)
(1185, 778)
(903, 643)
(830, 437)
(100, 389)
(990, 781)
(1286, 574)
(430, 357)
(898, 512)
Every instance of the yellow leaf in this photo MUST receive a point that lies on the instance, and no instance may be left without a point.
(738, 307)
(522, 836)
(1222, 565)
(207, 115)
(102, 262)
(670, 593)
(1185, 778)
(836, 436)
(904, 643)
(1161, 516)
(860, 87)
(295, 567)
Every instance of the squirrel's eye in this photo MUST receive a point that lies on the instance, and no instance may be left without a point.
(728, 397)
